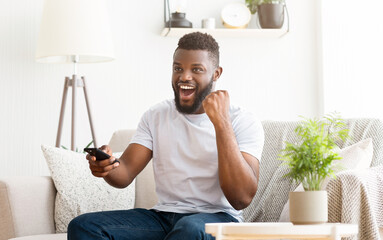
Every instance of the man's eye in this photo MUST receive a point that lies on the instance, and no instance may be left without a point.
(177, 69)
(198, 70)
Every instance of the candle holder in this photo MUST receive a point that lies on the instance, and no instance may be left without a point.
(174, 14)
(178, 20)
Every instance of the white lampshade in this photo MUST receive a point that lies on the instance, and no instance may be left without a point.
(72, 28)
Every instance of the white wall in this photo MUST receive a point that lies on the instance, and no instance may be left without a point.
(352, 58)
(274, 78)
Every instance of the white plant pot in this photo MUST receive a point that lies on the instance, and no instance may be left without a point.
(309, 207)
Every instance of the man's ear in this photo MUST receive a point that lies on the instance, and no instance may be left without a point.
(217, 73)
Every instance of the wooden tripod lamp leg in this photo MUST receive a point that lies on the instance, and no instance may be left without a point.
(74, 93)
(74, 82)
(62, 111)
(89, 113)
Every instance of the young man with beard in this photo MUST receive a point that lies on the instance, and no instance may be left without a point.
(205, 157)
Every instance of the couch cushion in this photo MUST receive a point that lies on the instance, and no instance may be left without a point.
(78, 191)
(362, 128)
(59, 236)
(121, 139)
(27, 206)
(146, 196)
(273, 188)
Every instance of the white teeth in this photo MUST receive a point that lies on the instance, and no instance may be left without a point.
(186, 87)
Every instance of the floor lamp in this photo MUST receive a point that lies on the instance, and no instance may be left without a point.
(74, 31)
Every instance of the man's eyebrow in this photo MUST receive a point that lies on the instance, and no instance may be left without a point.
(194, 64)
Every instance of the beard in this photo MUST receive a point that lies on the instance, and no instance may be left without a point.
(200, 95)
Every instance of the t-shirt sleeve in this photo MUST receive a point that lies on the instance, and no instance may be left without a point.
(143, 135)
(249, 134)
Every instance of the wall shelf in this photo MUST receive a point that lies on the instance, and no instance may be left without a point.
(225, 32)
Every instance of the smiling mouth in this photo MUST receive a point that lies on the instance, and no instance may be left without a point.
(186, 91)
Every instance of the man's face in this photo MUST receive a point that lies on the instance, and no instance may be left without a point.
(193, 79)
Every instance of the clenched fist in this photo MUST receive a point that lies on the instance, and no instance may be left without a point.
(216, 106)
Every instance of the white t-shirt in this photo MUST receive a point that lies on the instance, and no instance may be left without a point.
(185, 158)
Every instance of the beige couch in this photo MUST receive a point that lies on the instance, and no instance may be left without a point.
(27, 203)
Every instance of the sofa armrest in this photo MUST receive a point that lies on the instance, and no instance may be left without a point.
(26, 206)
(355, 197)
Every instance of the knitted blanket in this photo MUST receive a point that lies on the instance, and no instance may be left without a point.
(357, 197)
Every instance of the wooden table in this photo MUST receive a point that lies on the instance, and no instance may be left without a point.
(239, 231)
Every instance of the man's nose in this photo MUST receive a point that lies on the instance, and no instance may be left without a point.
(186, 75)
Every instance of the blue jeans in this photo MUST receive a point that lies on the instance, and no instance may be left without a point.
(144, 225)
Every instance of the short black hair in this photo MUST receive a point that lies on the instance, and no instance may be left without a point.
(200, 41)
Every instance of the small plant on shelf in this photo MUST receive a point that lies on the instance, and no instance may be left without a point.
(253, 4)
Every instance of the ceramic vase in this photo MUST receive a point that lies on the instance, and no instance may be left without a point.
(271, 15)
(308, 207)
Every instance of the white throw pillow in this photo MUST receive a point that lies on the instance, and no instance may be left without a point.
(78, 191)
(356, 156)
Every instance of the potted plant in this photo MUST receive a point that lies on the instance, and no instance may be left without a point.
(78, 150)
(310, 162)
(270, 12)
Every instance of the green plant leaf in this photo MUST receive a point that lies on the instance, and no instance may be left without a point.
(79, 150)
(310, 160)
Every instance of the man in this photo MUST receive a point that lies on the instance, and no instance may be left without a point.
(205, 157)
